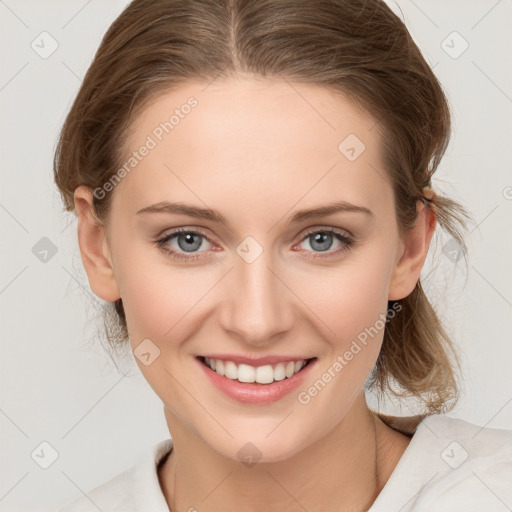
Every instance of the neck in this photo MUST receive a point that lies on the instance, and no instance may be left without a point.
(343, 471)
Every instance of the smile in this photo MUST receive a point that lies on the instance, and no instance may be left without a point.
(255, 383)
(265, 374)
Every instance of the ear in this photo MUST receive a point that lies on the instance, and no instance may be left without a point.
(94, 248)
(415, 248)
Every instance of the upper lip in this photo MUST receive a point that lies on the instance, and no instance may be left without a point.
(255, 361)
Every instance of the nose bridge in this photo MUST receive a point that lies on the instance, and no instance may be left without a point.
(259, 305)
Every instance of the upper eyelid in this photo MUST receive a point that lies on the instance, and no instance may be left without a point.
(328, 229)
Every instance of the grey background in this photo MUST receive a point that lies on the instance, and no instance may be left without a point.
(59, 386)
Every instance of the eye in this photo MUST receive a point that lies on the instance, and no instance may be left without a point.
(323, 240)
(183, 244)
(186, 245)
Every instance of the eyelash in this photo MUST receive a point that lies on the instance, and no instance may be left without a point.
(162, 243)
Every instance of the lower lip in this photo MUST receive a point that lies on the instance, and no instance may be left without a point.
(253, 393)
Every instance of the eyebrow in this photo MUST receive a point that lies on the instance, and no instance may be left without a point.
(212, 215)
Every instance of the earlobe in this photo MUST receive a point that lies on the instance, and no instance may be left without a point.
(415, 248)
(94, 248)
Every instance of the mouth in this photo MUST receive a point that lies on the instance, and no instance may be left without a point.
(264, 375)
(263, 382)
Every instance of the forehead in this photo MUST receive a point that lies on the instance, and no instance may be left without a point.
(250, 143)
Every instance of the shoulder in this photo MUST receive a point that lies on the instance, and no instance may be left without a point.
(451, 464)
(477, 470)
(135, 489)
(484, 442)
(466, 446)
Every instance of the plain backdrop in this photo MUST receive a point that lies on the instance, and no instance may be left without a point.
(61, 395)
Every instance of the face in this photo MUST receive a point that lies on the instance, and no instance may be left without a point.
(240, 272)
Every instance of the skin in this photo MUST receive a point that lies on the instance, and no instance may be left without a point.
(256, 151)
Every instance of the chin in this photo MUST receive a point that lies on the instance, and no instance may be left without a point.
(260, 447)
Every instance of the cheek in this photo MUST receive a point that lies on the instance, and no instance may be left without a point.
(351, 297)
(159, 305)
(158, 300)
(352, 302)
(149, 301)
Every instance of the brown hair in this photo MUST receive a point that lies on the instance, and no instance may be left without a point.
(359, 48)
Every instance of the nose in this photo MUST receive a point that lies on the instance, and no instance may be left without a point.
(260, 306)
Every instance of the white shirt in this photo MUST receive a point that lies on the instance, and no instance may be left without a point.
(450, 465)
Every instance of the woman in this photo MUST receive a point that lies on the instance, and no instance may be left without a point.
(252, 181)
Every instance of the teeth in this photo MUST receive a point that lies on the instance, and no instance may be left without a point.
(279, 372)
(265, 374)
(230, 370)
(246, 373)
(262, 374)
